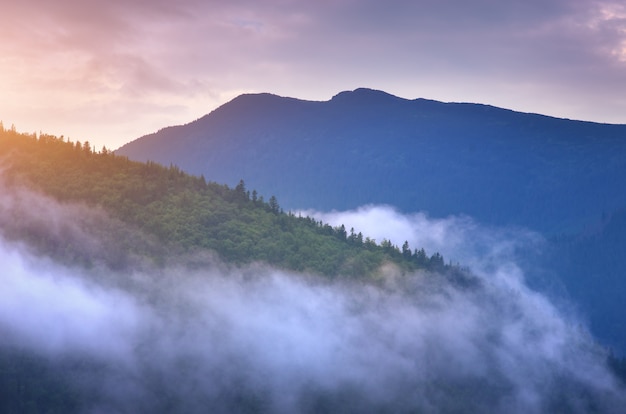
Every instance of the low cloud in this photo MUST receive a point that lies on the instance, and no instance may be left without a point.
(191, 338)
(458, 238)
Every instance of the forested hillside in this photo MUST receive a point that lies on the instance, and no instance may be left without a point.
(91, 209)
(185, 213)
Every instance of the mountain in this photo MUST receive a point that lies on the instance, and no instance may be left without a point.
(365, 146)
(594, 264)
(156, 213)
(504, 168)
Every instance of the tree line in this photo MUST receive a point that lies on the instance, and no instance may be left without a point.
(187, 213)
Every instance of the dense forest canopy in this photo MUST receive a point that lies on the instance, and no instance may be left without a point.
(187, 213)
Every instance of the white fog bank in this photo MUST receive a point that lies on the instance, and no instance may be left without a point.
(223, 339)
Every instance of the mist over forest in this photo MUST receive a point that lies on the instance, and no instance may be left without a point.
(200, 333)
(312, 207)
(134, 287)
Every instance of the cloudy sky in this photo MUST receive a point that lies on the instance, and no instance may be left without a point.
(111, 71)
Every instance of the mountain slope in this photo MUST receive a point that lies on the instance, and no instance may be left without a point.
(365, 146)
(148, 209)
(501, 167)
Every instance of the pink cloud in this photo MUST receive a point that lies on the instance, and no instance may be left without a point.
(559, 57)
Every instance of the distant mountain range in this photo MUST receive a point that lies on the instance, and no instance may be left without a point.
(365, 146)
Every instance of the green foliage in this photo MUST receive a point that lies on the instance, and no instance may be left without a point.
(187, 213)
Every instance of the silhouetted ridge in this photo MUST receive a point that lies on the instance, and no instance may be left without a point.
(367, 146)
(365, 95)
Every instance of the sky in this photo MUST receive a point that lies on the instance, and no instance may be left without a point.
(110, 72)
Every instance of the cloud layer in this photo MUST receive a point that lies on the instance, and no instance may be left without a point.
(262, 339)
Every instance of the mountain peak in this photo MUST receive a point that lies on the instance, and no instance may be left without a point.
(256, 99)
(364, 95)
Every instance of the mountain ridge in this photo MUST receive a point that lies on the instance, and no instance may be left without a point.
(503, 168)
(405, 149)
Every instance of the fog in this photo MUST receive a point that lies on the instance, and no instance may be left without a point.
(459, 238)
(197, 335)
(514, 251)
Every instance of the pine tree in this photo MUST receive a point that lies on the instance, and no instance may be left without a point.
(273, 203)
